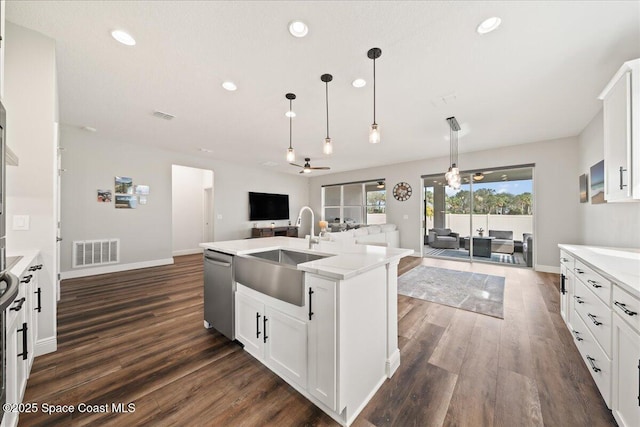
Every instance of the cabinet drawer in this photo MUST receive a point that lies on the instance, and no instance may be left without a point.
(599, 285)
(597, 362)
(627, 306)
(18, 306)
(566, 260)
(595, 314)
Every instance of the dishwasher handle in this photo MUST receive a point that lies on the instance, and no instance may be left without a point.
(220, 263)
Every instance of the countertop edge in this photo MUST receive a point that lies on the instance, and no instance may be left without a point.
(27, 259)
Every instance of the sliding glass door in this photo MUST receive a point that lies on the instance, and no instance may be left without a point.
(491, 214)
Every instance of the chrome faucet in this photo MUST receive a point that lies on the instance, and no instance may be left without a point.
(312, 238)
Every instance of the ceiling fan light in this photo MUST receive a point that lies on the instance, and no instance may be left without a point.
(374, 134)
(291, 155)
(306, 170)
(327, 147)
(380, 184)
(478, 176)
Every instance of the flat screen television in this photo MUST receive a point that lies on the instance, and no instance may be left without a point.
(267, 206)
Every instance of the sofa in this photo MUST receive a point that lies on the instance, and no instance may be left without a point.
(502, 241)
(443, 238)
(527, 248)
(379, 235)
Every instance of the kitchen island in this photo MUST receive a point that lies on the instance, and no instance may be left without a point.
(335, 340)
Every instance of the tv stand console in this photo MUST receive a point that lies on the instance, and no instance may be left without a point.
(288, 231)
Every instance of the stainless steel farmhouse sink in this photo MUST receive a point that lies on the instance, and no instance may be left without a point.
(274, 273)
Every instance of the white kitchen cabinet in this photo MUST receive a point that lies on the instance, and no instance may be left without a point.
(322, 340)
(566, 286)
(621, 107)
(626, 362)
(273, 337)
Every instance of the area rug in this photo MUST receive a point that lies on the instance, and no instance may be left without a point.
(515, 259)
(480, 293)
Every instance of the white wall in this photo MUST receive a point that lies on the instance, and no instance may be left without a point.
(188, 198)
(608, 224)
(146, 232)
(555, 201)
(30, 99)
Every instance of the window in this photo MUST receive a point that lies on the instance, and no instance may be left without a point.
(355, 203)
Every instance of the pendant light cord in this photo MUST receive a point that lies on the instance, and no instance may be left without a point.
(327, 97)
(374, 90)
(290, 119)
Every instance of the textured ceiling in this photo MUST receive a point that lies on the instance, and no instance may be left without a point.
(535, 78)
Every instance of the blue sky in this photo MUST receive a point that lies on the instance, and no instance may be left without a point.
(513, 187)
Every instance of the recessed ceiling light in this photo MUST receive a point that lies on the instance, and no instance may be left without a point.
(89, 128)
(359, 83)
(123, 37)
(230, 86)
(290, 114)
(205, 150)
(298, 29)
(489, 25)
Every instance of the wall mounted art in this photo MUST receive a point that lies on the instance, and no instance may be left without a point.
(597, 183)
(584, 193)
(126, 202)
(104, 196)
(124, 185)
(142, 189)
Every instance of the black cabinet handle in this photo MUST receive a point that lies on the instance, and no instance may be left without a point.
(577, 335)
(593, 364)
(35, 267)
(18, 304)
(26, 279)
(563, 260)
(578, 299)
(563, 290)
(594, 283)
(24, 341)
(622, 185)
(577, 270)
(593, 319)
(264, 329)
(310, 309)
(39, 293)
(624, 308)
(257, 325)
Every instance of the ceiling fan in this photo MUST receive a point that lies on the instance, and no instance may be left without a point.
(307, 168)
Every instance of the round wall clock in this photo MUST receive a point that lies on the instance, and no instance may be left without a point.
(402, 191)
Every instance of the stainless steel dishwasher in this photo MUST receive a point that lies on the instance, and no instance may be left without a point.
(219, 288)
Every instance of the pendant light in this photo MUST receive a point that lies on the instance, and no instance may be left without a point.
(453, 174)
(291, 155)
(374, 133)
(327, 148)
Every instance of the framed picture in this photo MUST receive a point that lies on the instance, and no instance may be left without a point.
(126, 202)
(142, 189)
(142, 200)
(104, 196)
(123, 185)
(584, 194)
(597, 183)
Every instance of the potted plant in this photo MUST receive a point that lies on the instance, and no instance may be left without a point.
(480, 231)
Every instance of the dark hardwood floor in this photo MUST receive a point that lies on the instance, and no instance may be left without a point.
(138, 337)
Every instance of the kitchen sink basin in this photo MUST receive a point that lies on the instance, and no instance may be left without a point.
(274, 273)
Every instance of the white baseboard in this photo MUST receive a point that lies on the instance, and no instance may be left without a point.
(188, 251)
(393, 363)
(547, 269)
(46, 345)
(114, 268)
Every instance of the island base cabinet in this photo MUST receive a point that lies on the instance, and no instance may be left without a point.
(626, 386)
(322, 340)
(273, 337)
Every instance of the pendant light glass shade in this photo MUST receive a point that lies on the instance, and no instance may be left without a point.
(291, 154)
(327, 147)
(453, 174)
(374, 132)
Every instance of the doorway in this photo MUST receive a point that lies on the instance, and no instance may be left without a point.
(488, 219)
(192, 209)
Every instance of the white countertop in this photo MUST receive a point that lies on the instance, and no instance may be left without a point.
(24, 262)
(345, 260)
(620, 265)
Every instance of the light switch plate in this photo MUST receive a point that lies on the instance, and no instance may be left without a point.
(405, 216)
(21, 222)
(219, 216)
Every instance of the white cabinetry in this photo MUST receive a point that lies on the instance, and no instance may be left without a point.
(621, 106)
(566, 286)
(22, 334)
(626, 358)
(273, 337)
